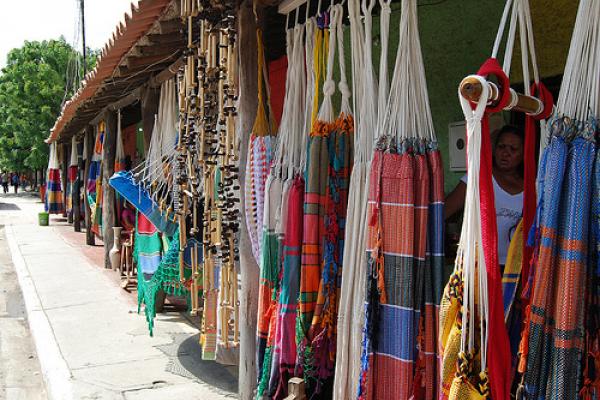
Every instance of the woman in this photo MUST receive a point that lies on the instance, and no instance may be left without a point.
(507, 179)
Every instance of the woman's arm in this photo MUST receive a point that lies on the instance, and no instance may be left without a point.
(455, 201)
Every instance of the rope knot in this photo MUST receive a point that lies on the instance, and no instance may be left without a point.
(344, 90)
(329, 87)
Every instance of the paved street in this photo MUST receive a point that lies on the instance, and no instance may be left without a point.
(92, 344)
(20, 374)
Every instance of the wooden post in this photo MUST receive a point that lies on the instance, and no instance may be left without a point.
(108, 193)
(90, 239)
(64, 160)
(150, 97)
(248, 268)
(77, 194)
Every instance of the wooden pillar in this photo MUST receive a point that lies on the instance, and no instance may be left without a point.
(150, 98)
(76, 194)
(89, 133)
(64, 161)
(248, 268)
(108, 193)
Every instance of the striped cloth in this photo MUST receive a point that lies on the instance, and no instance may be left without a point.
(147, 245)
(260, 157)
(269, 276)
(434, 273)
(314, 229)
(71, 178)
(554, 339)
(391, 318)
(404, 283)
(287, 308)
(54, 196)
(322, 332)
(94, 182)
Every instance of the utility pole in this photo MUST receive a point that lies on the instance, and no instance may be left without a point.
(76, 192)
(82, 16)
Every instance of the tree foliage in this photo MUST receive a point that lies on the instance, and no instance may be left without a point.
(35, 82)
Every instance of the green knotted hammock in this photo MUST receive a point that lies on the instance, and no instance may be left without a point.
(166, 278)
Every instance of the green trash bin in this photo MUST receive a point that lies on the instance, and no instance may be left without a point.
(43, 218)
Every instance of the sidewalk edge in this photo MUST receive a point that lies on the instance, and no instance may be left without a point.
(56, 373)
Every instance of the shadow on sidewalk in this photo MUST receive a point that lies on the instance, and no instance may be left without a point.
(185, 359)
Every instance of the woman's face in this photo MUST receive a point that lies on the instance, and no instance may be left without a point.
(508, 154)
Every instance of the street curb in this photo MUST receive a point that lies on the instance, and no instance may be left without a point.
(56, 373)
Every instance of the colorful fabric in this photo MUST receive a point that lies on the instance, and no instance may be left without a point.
(166, 277)
(322, 333)
(391, 318)
(405, 268)
(269, 277)
(54, 196)
(512, 269)
(434, 274)
(71, 178)
(287, 308)
(260, 157)
(147, 245)
(94, 183)
(125, 185)
(554, 340)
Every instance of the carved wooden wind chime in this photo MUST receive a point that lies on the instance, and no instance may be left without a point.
(207, 189)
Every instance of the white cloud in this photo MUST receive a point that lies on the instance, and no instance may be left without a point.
(49, 19)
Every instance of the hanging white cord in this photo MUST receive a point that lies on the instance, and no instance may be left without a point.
(343, 85)
(383, 92)
(283, 133)
(369, 107)
(326, 113)
(310, 30)
(501, 29)
(357, 50)
(470, 248)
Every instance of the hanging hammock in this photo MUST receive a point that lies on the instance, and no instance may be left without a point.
(71, 176)
(285, 166)
(54, 196)
(560, 342)
(352, 294)
(261, 146)
(94, 182)
(284, 351)
(404, 247)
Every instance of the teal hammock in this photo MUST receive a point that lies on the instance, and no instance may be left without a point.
(166, 278)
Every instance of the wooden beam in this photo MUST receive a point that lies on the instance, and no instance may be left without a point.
(133, 62)
(76, 194)
(170, 26)
(90, 239)
(168, 73)
(249, 270)
(108, 193)
(64, 160)
(157, 38)
(158, 49)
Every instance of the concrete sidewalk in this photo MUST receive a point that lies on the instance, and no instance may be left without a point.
(91, 343)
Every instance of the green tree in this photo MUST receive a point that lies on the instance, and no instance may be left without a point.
(36, 81)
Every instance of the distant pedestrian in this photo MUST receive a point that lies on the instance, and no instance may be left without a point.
(15, 182)
(4, 181)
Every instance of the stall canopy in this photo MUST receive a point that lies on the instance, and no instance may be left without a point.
(147, 41)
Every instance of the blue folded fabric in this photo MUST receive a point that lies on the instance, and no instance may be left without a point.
(137, 195)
